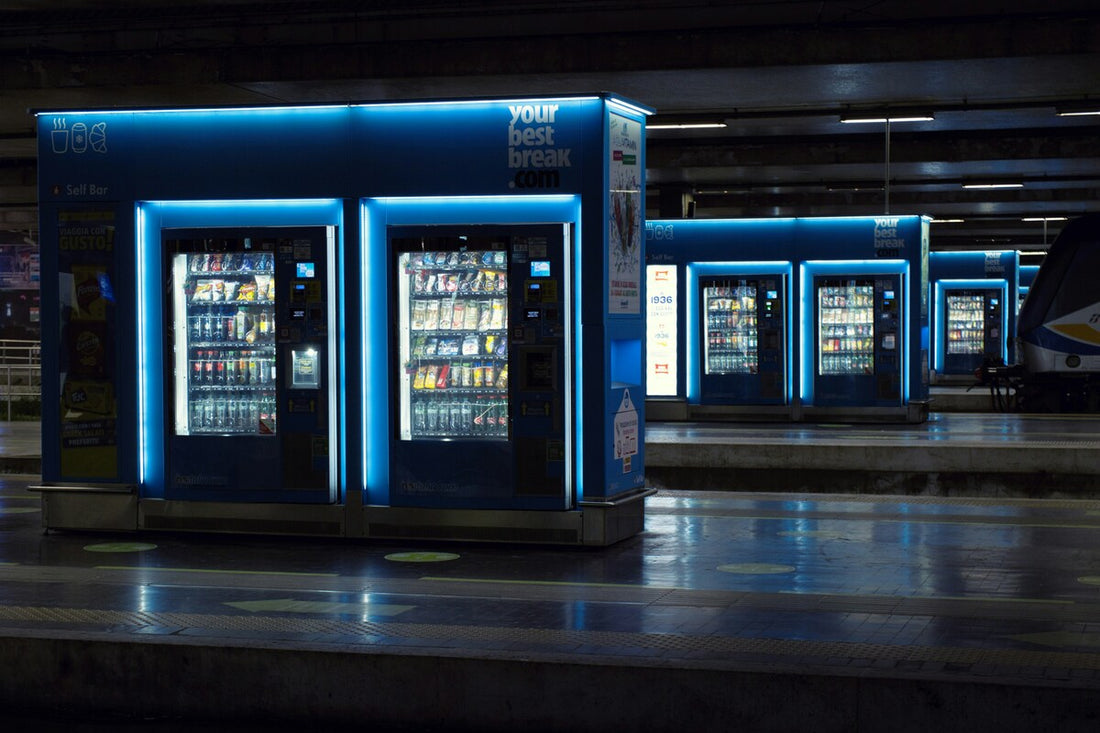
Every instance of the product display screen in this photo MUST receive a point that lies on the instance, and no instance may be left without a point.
(306, 269)
(540, 268)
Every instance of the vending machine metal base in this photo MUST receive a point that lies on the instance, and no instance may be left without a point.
(912, 412)
(309, 520)
(596, 523)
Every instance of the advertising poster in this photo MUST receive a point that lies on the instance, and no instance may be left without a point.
(661, 336)
(86, 241)
(624, 240)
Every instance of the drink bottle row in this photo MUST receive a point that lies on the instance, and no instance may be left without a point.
(231, 324)
(479, 375)
(862, 363)
(850, 345)
(966, 341)
(235, 412)
(737, 363)
(468, 417)
(215, 368)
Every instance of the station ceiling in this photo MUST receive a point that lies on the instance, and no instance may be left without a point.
(774, 77)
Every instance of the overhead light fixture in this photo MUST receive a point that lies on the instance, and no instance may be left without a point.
(992, 185)
(1046, 218)
(948, 221)
(1079, 111)
(686, 126)
(858, 119)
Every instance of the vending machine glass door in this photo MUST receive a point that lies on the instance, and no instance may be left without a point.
(224, 336)
(965, 323)
(731, 338)
(846, 328)
(453, 340)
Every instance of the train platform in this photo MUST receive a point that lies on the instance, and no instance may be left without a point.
(731, 611)
(818, 577)
(951, 454)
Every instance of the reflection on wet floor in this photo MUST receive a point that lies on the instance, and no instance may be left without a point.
(841, 581)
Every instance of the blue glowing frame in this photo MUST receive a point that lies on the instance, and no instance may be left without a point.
(153, 216)
(696, 270)
(810, 269)
(941, 287)
(376, 214)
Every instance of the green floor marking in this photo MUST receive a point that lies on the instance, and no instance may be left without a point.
(19, 509)
(421, 556)
(120, 547)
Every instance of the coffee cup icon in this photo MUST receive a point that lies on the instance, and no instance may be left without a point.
(60, 136)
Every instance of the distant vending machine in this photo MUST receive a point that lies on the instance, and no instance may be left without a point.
(974, 311)
(859, 342)
(789, 318)
(742, 335)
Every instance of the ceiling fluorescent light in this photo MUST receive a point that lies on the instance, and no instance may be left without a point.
(686, 126)
(948, 221)
(1045, 218)
(1078, 111)
(992, 185)
(900, 118)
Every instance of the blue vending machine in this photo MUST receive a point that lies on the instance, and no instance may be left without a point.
(250, 345)
(974, 312)
(722, 346)
(415, 319)
(483, 366)
(864, 317)
(789, 318)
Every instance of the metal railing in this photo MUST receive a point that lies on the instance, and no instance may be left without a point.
(20, 372)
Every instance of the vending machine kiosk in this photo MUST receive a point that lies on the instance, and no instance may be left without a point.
(789, 318)
(721, 343)
(974, 312)
(383, 320)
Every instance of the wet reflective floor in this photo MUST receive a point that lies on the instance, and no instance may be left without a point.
(1002, 592)
(969, 587)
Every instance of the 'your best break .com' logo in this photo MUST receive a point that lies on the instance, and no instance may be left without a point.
(532, 149)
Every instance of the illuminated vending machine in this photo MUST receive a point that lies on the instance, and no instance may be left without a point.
(859, 345)
(973, 326)
(742, 321)
(481, 412)
(249, 398)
